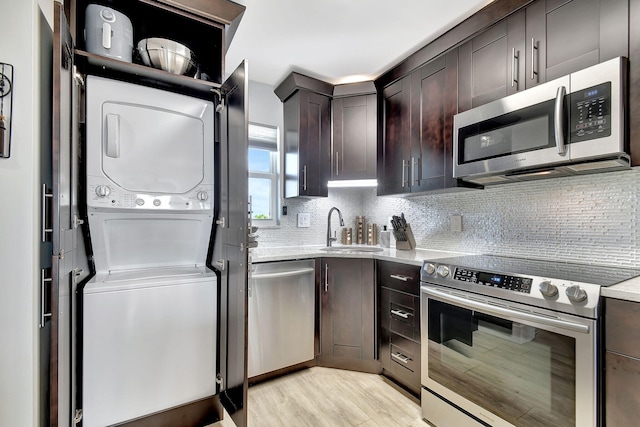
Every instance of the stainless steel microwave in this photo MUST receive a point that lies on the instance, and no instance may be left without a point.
(571, 125)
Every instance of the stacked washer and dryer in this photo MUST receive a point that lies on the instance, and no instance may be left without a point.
(149, 314)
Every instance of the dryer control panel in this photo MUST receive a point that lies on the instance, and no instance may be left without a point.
(104, 194)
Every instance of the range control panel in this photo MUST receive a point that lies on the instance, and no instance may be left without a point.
(502, 281)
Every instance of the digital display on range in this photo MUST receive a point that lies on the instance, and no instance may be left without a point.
(494, 280)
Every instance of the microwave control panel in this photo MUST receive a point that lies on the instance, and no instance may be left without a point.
(502, 281)
(590, 113)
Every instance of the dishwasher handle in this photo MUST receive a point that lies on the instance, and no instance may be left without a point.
(288, 273)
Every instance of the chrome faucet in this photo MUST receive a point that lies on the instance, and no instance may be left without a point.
(329, 238)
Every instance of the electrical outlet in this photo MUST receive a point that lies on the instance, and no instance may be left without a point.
(304, 220)
(456, 223)
(284, 210)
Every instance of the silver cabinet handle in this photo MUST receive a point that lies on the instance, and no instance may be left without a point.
(534, 47)
(337, 163)
(558, 128)
(504, 312)
(326, 277)
(414, 163)
(401, 358)
(403, 166)
(401, 313)
(514, 67)
(43, 282)
(399, 277)
(280, 274)
(304, 177)
(46, 196)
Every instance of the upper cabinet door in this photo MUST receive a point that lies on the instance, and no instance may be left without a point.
(492, 63)
(394, 152)
(315, 144)
(433, 105)
(566, 36)
(354, 138)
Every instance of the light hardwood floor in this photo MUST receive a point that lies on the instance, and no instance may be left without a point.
(319, 397)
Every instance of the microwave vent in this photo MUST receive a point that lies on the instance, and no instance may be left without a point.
(486, 180)
(599, 165)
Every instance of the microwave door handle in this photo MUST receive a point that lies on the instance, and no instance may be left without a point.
(558, 115)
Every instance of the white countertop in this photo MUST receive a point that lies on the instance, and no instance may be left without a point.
(413, 257)
(628, 290)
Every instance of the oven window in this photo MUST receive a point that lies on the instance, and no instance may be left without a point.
(524, 130)
(524, 375)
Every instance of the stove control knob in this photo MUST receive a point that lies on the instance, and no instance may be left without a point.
(576, 293)
(548, 289)
(430, 268)
(103, 190)
(443, 270)
(202, 196)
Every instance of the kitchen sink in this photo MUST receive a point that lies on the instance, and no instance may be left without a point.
(342, 249)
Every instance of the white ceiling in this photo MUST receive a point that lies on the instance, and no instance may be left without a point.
(338, 41)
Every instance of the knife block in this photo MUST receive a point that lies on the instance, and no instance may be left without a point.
(405, 241)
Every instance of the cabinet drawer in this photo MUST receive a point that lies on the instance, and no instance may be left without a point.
(622, 332)
(621, 390)
(402, 277)
(404, 365)
(401, 313)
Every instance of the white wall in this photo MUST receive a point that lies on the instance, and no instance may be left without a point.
(19, 218)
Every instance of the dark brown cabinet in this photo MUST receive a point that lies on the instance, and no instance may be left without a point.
(492, 64)
(546, 40)
(307, 135)
(399, 311)
(565, 36)
(354, 137)
(415, 151)
(622, 362)
(347, 318)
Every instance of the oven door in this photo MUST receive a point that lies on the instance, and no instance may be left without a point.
(504, 364)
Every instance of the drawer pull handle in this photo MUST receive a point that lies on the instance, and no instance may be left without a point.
(399, 277)
(401, 313)
(401, 358)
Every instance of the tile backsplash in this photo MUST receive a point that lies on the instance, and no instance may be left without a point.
(589, 218)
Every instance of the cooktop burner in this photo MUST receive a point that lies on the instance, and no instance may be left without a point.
(584, 273)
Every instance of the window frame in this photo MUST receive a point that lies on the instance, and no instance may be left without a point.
(273, 175)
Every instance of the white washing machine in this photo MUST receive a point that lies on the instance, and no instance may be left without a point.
(149, 315)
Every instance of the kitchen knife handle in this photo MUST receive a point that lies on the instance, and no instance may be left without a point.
(534, 47)
(558, 122)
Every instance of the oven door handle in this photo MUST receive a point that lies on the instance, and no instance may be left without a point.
(509, 313)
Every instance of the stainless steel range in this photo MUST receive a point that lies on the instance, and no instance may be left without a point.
(510, 341)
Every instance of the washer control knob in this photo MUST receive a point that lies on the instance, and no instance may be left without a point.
(103, 190)
(576, 293)
(548, 289)
(202, 196)
(430, 268)
(443, 271)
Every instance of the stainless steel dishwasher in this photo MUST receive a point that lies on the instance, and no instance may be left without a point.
(281, 315)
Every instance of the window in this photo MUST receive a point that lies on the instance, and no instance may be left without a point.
(263, 174)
